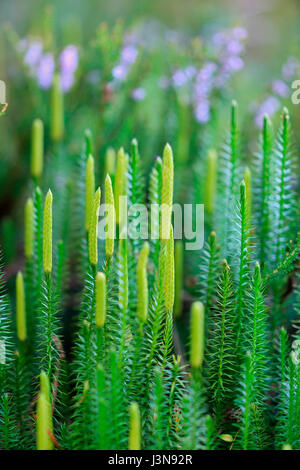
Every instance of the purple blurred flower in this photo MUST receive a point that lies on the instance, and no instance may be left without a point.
(179, 78)
(33, 54)
(233, 63)
(269, 106)
(67, 80)
(219, 38)
(139, 94)
(68, 59)
(129, 55)
(190, 71)
(290, 68)
(234, 47)
(43, 65)
(240, 33)
(229, 48)
(202, 111)
(280, 88)
(204, 80)
(202, 88)
(207, 71)
(45, 71)
(120, 72)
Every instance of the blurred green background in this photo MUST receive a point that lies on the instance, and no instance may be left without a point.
(273, 25)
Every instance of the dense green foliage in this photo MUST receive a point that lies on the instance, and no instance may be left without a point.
(143, 343)
(122, 354)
